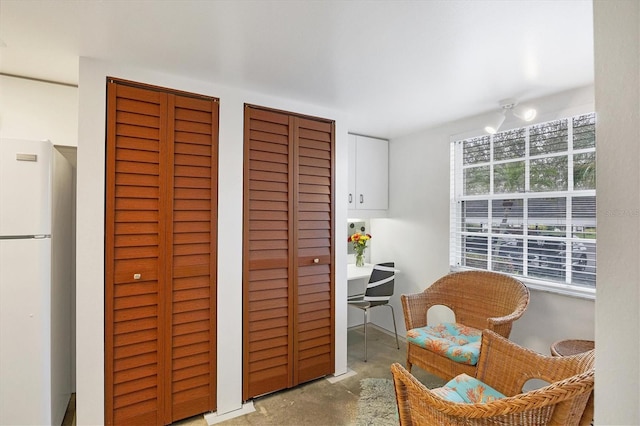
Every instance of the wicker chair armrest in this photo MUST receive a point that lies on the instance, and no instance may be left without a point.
(531, 401)
(415, 307)
(507, 319)
(503, 324)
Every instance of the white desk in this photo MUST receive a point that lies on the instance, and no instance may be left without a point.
(358, 272)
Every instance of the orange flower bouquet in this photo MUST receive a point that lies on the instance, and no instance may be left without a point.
(359, 242)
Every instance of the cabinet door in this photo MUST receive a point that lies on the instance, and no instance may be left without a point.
(352, 197)
(372, 173)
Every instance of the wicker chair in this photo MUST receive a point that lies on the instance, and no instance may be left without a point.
(479, 299)
(506, 367)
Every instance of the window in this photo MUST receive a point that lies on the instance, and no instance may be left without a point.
(524, 203)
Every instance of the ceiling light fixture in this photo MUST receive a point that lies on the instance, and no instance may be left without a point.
(524, 112)
(496, 119)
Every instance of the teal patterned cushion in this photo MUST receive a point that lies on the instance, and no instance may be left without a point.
(472, 390)
(455, 341)
(449, 394)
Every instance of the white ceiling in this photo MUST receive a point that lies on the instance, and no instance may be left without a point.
(394, 66)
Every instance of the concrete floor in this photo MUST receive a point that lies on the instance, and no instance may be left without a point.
(320, 402)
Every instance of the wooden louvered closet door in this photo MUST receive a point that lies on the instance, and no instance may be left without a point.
(160, 255)
(314, 320)
(288, 275)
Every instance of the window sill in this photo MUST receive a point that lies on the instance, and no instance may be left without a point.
(576, 291)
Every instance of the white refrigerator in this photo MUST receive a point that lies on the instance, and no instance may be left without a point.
(36, 201)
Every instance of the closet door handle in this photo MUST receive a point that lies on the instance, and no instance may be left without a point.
(350, 198)
(361, 198)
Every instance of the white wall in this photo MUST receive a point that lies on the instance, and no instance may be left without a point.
(35, 110)
(90, 268)
(617, 81)
(416, 233)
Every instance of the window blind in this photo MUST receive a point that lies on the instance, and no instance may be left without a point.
(524, 203)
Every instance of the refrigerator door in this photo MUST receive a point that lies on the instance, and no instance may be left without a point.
(25, 187)
(25, 332)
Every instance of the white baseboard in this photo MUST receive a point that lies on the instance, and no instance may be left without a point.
(401, 338)
(334, 379)
(213, 418)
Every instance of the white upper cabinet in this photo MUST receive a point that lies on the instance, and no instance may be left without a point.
(368, 173)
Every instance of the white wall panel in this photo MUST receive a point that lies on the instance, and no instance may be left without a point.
(617, 81)
(36, 110)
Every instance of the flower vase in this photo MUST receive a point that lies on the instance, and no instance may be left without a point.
(359, 259)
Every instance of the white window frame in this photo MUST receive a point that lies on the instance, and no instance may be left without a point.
(457, 255)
